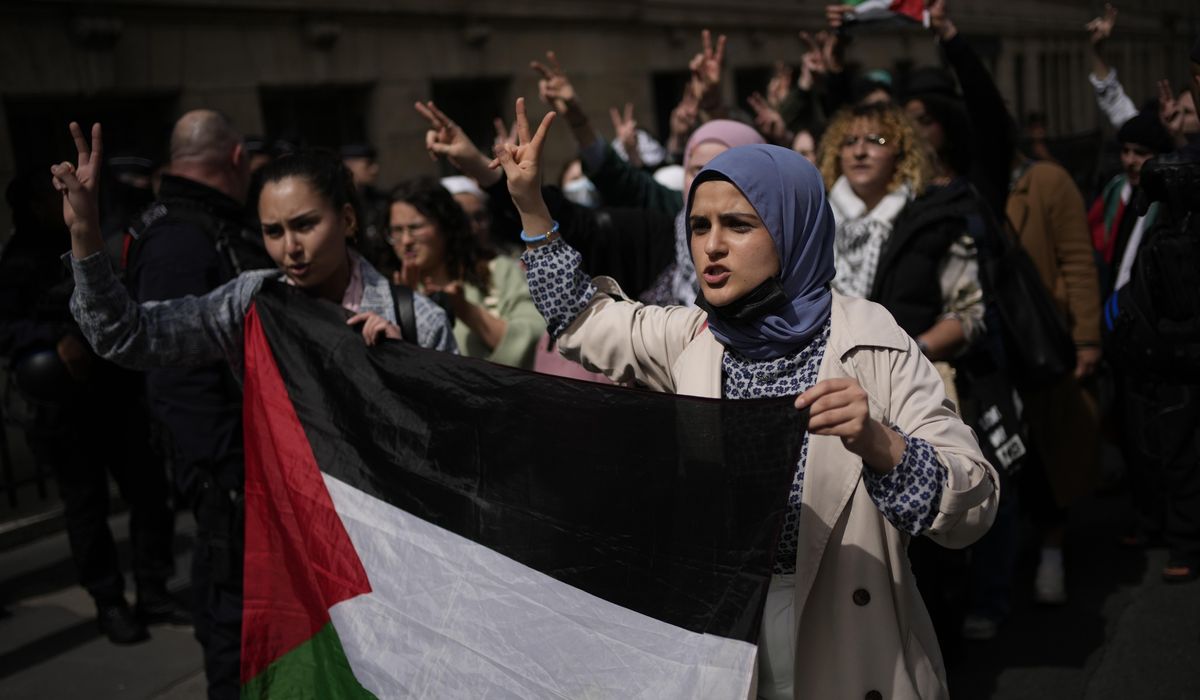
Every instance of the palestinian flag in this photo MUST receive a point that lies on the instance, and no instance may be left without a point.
(423, 525)
(877, 10)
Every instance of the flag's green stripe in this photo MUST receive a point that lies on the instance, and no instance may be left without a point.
(316, 669)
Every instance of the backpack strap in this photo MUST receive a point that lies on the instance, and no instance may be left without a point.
(406, 313)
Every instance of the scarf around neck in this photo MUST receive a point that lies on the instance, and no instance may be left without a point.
(861, 235)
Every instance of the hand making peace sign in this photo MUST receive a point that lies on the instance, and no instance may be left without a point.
(445, 138)
(522, 165)
(706, 68)
(554, 87)
(80, 187)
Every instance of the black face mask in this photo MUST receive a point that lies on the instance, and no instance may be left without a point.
(751, 306)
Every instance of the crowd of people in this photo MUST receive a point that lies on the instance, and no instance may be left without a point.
(962, 331)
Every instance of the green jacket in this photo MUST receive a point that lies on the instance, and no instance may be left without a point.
(509, 299)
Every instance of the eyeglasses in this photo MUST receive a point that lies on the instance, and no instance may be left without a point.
(417, 230)
(851, 141)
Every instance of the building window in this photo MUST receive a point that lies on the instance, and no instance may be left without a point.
(473, 104)
(667, 88)
(321, 116)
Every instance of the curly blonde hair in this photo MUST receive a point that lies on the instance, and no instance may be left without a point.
(913, 166)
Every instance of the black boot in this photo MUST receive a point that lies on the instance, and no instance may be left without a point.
(156, 606)
(118, 622)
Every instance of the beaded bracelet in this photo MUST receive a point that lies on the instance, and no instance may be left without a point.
(538, 239)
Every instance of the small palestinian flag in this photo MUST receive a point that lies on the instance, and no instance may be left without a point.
(877, 10)
(423, 525)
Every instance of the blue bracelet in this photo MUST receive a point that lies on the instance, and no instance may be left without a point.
(538, 239)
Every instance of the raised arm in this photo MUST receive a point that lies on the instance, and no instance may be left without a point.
(1110, 95)
(181, 332)
(445, 138)
(626, 341)
(707, 68)
(986, 109)
(619, 183)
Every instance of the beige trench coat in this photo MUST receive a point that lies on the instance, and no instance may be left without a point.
(844, 648)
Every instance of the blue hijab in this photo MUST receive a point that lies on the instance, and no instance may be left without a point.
(788, 194)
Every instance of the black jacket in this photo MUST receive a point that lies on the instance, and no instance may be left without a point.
(906, 279)
(177, 255)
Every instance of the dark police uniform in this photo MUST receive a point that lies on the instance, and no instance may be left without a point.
(190, 241)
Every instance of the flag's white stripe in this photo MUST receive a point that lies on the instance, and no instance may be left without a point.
(449, 618)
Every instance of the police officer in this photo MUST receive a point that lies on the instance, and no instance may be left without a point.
(90, 422)
(194, 238)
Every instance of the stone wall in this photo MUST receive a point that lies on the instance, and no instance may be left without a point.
(215, 53)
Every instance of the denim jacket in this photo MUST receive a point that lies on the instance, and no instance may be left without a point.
(194, 331)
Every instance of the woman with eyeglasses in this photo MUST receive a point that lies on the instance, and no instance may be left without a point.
(494, 316)
(901, 242)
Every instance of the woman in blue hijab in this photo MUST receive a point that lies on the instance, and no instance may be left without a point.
(884, 458)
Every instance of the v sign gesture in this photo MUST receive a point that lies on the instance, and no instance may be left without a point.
(522, 164)
(80, 187)
(445, 138)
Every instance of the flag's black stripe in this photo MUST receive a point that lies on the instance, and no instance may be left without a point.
(665, 505)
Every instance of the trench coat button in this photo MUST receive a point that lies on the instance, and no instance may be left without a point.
(861, 597)
(874, 695)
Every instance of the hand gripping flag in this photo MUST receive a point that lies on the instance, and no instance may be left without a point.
(424, 525)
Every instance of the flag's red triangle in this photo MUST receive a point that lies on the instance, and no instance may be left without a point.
(299, 560)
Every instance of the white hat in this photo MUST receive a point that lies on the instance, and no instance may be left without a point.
(460, 184)
(670, 176)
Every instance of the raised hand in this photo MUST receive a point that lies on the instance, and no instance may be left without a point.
(79, 186)
(554, 87)
(706, 68)
(940, 22)
(522, 164)
(683, 120)
(780, 85)
(625, 130)
(445, 138)
(836, 15)
(1170, 113)
(1101, 28)
(822, 52)
(768, 119)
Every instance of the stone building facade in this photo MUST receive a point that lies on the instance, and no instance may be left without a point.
(349, 70)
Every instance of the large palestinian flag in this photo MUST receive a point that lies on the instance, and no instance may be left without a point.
(423, 525)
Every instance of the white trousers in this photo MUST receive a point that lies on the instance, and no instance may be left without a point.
(777, 640)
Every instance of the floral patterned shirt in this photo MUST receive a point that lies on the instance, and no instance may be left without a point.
(907, 496)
